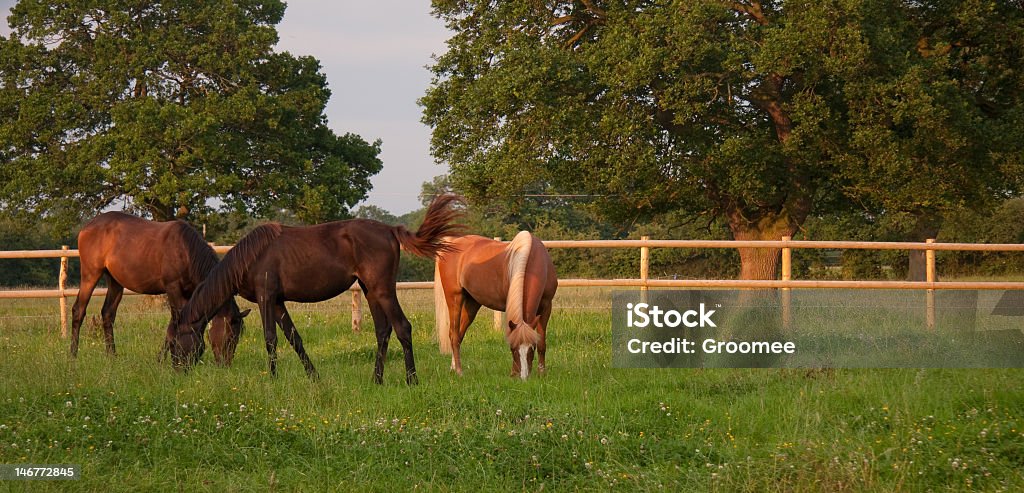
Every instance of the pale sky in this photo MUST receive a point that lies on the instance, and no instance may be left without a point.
(374, 55)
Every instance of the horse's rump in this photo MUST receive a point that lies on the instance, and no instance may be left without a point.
(143, 255)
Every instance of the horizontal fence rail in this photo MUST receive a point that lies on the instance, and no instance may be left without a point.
(657, 283)
(776, 244)
(786, 246)
(636, 283)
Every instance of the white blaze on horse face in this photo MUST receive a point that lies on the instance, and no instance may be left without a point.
(524, 368)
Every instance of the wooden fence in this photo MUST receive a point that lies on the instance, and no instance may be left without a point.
(786, 283)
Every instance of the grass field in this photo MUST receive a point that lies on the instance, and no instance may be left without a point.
(131, 423)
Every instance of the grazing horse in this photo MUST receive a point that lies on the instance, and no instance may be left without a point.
(517, 278)
(150, 258)
(274, 264)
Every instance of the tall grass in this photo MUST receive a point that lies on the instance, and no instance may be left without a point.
(132, 423)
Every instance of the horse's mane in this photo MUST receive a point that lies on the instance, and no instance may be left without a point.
(202, 258)
(518, 254)
(225, 278)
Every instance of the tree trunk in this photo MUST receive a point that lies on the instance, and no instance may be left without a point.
(159, 210)
(761, 263)
(927, 226)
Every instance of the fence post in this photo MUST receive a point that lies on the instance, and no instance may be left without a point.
(61, 283)
(499, 317)
(645, 265)
(929, 258)
(357, 310)
(787, 275)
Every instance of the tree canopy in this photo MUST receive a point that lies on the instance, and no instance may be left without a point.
(173, 109)
(755, 112)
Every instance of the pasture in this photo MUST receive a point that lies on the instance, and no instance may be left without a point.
(131, 423)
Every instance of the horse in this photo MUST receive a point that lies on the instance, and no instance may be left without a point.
(275, 263)
(150, 258)
(518, 278)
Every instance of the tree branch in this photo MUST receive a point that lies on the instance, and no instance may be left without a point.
(753, 10)
(594, 9)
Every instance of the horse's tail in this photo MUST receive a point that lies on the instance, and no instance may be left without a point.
(438, 223)
(519, 331)
(441, 320)
(227, 276)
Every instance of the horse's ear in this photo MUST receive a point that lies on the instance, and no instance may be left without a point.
(511, 325)
(244, 313)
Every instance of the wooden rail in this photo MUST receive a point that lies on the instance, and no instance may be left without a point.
(780, 244)
(786, 245)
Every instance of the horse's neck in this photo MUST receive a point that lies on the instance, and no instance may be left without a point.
(535, 281)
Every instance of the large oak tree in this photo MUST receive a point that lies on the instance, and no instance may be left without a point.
(757, 112)
(172, 109)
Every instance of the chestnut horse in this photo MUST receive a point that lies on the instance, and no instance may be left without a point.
(274, 264)
(517, 278)
(150, 258)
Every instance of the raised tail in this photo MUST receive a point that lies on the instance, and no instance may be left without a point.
(519, 330)
(227, 276)
(441, 320)
(438, 223)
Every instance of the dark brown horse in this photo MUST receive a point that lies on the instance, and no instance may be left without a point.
(517, 278)
(150, 258)
(274, 264)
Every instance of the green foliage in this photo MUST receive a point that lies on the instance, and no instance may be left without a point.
(32, 272)
(1004, 224)
(759, 113)
(376, 213)
(172, 109)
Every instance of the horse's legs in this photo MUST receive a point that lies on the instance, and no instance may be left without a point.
(403, 329)
(176, 299)
(455, 303)
(267, 313)
(464, 318)
(90, 276)
(542, 329)
(114, 293)
(383, 330)
(387, 302)
(292, 335)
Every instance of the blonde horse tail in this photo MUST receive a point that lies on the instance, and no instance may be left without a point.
(441, 316)
(518, 256)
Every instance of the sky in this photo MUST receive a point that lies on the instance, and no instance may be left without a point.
(375, 56)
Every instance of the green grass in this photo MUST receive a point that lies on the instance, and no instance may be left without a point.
(131, 423)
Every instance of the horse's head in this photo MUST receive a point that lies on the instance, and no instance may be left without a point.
(185, 343)
(225, 329)
(522, 338)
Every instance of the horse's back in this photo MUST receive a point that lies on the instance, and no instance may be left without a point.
(130, 248)
(477, 265)
(316, 263)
